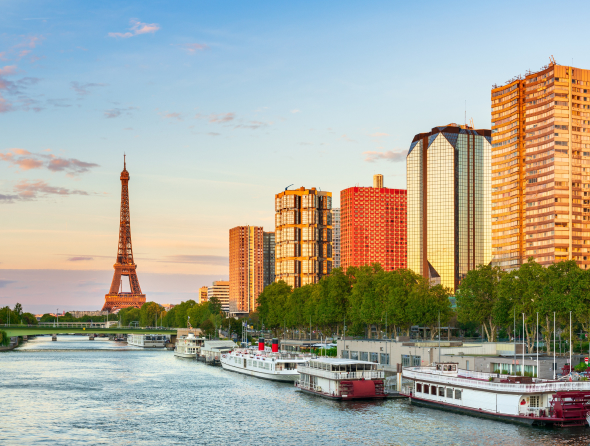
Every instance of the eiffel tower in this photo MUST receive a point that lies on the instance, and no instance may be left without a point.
(124, 267)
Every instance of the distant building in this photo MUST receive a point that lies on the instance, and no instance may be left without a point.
(168, 307)
(336, 237)
(373, 226)
(245, 268)
(268, 254)
(303, 236)
(203, 294)
(449, 203)
(220, 290)
(78, 314)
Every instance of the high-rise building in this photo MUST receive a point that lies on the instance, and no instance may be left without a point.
(541, 189)
(220, 290)
(449, 203)
(245, 268)
(336, 237)
(268, 254)
(303, 236)
(203, 294)
(373, 226)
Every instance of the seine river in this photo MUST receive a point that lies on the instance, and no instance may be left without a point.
(75, 391)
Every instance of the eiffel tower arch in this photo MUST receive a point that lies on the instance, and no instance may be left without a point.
(124, 266)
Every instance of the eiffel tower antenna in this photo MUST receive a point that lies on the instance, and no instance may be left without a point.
(124, 266)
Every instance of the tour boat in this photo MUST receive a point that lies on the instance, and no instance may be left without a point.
(264, 363)
(188, 346)
(341, 379)
(491, 395)
(148, 340)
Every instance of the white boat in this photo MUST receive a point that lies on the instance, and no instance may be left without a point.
(491, 395)
(188, 346)
(341, 379)
(264, 363)
(148, 340)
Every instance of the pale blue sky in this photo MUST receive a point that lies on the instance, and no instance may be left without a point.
(220, 105)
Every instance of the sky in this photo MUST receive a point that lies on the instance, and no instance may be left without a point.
(219, 106)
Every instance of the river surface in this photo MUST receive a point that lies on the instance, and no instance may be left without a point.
(75, 391)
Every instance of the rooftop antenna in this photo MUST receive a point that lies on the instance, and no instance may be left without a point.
(124, 161)
(465, 112)
(288, 186)
(471, 123)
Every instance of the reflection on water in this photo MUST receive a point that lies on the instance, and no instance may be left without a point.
(75, 391)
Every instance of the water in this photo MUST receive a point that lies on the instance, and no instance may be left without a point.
(76, 391)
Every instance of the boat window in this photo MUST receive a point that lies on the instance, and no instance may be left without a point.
(426, 388)
(441, 391)
(433, 390)
(534, 401)
(449, 392)
(457, 394)
(418, 388)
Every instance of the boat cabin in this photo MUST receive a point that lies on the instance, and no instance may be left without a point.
(342, 365)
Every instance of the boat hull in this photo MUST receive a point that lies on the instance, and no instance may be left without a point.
(185, 355)
(269, 376)
(529, 421)
(340, 398)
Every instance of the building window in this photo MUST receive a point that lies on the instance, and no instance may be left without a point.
(364, 356)
(374, 357)
(345, 354)
(457, 394)
(354, 355)
(385, 358)
(405, 360)
(416, 361)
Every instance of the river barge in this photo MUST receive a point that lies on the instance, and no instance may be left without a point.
(516, 399)
(148, 340)
(188, 346)
(265, 363)
(341, 379)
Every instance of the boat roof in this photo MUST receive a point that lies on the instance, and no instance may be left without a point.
(341, 361)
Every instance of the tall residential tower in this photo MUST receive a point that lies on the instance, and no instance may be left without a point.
(541, 187)
(303, 236)
(245, 268)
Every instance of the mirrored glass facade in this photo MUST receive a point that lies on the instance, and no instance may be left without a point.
(449, 203)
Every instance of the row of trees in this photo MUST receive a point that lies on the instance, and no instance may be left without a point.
(498, 300)
(362, 297)
(16, 316)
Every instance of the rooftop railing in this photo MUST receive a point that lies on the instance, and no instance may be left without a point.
(366, 374)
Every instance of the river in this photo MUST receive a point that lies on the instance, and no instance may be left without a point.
(75, 392)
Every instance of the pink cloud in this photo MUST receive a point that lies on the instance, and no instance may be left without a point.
(137, 28)
(192, 48)
(4, 106)
(26, 160)
(30, 190)
(222, 117)
(371, 156)
(174, 115)
(8, 70)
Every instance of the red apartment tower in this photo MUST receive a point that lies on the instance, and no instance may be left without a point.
(373, 226)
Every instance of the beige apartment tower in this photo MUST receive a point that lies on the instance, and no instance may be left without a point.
(303, 236)
(246, 268)
(541, 167)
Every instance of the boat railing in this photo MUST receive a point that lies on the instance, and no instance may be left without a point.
(366, 374)
(540, 387)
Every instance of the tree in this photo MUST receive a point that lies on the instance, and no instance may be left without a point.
(429, 304)
(18, 309)
(214, 305)
(476, 297)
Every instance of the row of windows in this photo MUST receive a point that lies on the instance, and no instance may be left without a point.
(378, 358)
(445, 392)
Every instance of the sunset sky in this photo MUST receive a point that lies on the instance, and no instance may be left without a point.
(218, 106)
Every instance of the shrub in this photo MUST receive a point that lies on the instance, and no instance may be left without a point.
(4, 339)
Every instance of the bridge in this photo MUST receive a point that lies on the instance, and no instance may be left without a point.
(64, 328)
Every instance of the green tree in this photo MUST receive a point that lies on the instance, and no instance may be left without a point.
(214, 305)
(18, 309)
(428, 304)
(476, 297)
(29, 319)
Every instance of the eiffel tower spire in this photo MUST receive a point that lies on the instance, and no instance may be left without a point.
(124, 266)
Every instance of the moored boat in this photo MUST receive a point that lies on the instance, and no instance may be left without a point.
(517, 399)
(148, 340)
(341, 379)
(188, 346)
(264, 363)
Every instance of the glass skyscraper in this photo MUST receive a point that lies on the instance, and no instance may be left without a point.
(449, 203)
